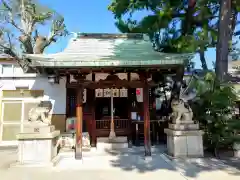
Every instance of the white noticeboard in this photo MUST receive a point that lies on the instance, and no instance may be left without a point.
(99, 93)
(139, 94)
(134, 115)
(107, 92)
(123, 92)
(115, 92)
(84, 95)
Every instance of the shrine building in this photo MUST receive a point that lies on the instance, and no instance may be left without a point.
(101, 82)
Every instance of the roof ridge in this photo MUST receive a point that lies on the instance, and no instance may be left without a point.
(139, 36)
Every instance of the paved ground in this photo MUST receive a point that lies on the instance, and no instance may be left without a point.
(119, 166)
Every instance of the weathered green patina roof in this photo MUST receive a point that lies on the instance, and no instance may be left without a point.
(107, 50)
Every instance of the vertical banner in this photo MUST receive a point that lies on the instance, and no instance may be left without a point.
(115, 92)
(84, 95)
(98, 93)
(107, 92)
(139, 94)
(123, 92)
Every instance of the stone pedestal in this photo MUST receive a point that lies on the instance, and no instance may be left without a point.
(236, 148)
(184, 140)
(37, 146)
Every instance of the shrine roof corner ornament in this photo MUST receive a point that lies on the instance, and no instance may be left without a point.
(107, 50)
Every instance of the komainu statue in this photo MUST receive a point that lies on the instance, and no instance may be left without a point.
(181, 110)
(41, 113)
(86, 140)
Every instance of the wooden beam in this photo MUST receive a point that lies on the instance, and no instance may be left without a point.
(109, 84)
(151, 68)
(79, 113)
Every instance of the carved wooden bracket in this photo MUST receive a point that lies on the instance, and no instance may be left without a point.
(143, 75)
(112, 77)
(79, 77)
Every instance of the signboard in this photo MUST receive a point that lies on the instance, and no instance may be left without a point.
(84, 95)
(139, 94)
(107, 92)
(99, 93)
(115, 92)
(123, 92)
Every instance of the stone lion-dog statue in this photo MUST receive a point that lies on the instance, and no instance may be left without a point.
(70, 141)
(41, 113)
(182, 112)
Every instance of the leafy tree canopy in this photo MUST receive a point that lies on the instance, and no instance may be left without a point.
(175, 26)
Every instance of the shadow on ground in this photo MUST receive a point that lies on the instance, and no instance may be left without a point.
(7, 156)
(134, 160)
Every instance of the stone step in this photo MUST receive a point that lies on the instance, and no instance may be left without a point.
(118, 139)
(106, 144)
(111, 146)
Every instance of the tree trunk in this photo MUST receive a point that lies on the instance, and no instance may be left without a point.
(40, 45)
(203, 59)
(224, 38)
(187, 25)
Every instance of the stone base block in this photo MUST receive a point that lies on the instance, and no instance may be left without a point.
(183, 122)
(183, 126)
(237, 153)
(118, 143)
(184, 143)
(53, 163)
(36, 149)
(236, 148)
(38, 129)
(118, 139)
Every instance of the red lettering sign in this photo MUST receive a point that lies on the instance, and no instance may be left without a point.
(138, 92)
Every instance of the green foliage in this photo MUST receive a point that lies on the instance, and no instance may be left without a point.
(194, 20)
(214, 109)
(175, 26)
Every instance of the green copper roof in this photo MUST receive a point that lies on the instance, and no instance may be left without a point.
(108, 50)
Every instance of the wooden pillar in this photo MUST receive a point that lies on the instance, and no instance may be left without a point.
(79, 113)
(147, 140)
(93, 103)
(93, 122)
(129, 97)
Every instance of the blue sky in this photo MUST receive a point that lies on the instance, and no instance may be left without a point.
(93, 16)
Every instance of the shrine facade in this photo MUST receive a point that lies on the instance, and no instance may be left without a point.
(110, 81)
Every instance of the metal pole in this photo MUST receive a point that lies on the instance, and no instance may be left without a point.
(112, 134)
(112, 113)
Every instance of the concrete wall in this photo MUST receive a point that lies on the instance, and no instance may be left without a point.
(14, 78)
(54, 92)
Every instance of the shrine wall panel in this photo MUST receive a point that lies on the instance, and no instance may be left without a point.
(56, 93)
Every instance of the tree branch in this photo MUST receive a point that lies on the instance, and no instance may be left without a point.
(11, 21)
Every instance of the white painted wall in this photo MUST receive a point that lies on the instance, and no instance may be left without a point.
(56, 93)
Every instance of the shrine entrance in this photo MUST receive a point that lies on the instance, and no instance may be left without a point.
(108, 108)
(103, 108)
